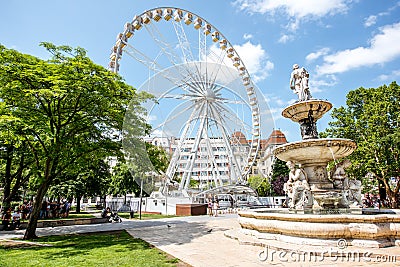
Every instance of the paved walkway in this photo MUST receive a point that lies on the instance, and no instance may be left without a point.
(202, 241)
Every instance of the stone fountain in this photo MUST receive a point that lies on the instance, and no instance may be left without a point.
(321, 207)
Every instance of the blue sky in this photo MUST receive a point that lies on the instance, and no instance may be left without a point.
(343, 44)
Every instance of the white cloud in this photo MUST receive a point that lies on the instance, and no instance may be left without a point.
(317, 85)
(386, 77)
(247, 36)
(295, 9)
(255, 59)
(319, 53)
(383, 48)
(285, 38)
(371, 20)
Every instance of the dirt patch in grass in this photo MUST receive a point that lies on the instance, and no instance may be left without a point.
(19, 244)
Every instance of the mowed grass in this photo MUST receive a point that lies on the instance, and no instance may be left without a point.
(116, 248)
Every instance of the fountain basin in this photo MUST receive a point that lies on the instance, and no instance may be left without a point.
(380, 230)
(302, 110)
(313, 151)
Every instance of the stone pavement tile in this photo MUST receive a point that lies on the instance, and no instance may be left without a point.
(193, 244)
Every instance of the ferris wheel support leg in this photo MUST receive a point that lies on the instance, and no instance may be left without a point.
(215, 174)
(194, 150)
(189, 167)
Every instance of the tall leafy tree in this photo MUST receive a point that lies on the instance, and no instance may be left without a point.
(371, 118)
(280, 175)
(66, 108)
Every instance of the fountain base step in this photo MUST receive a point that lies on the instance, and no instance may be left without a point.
(265, 238)
(378, 230)
(324, 211)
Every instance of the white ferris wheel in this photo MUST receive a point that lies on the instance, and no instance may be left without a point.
(207, 109)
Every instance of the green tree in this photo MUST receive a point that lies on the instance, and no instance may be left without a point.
(91, 178)
(158, 158)
(260, 184)
(371, 118)
(280, 175)
(122, 181)
(66, 108)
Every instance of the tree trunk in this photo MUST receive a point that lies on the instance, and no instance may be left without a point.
(6, 203)
(78, 203)
(390, 195)
(30, 232)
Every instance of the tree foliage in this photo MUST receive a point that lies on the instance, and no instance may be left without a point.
(371, 118)
(158, 158)
(280, 175)
(63, 109)
(260, 184)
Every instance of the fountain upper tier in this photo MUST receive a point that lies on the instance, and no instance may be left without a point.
(304, 109)
(314, 151)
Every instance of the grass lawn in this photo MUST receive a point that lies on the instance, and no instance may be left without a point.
(145, 216)
(116, 248)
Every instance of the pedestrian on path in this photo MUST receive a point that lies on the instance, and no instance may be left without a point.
(215, 206)
(210, 207)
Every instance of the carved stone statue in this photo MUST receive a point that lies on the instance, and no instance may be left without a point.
(299, 83)
(338, 174)
(297, 187)
(351, 187)
(353, 193)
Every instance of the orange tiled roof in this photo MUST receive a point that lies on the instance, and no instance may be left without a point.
(276, 138)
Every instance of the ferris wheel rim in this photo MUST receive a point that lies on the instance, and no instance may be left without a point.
(162, 14)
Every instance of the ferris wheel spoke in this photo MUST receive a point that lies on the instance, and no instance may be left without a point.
(142, 58)
(225, 113)
(229, 101)
(177, 154)
(193, 152)
(184, 43)
(181, 96)
(168, 120)
(224, 133)
(170, 53)
(215, 72)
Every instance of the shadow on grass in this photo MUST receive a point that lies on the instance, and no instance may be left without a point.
(95, 249)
